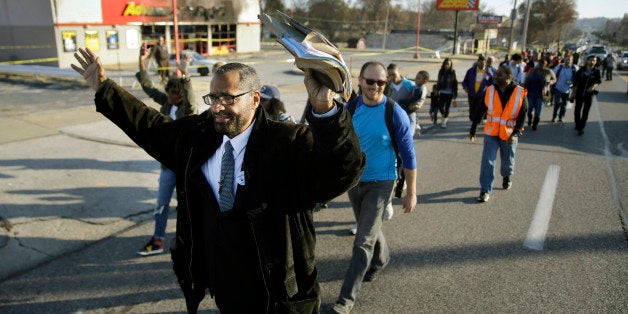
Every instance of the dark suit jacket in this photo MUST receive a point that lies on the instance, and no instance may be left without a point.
(258, 257)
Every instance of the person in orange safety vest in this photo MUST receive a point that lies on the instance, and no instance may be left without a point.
(505, 105)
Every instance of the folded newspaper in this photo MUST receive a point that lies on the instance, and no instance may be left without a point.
(311, 50)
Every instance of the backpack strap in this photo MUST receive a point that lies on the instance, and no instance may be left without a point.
(352, 105)
(390, 125)
(562, 66)
(388, 117)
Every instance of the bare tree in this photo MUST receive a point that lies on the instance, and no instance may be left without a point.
(549, 20)
(328, 16)
(269, 6)
(615, 31)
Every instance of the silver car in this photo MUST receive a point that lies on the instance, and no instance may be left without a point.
(622, 63)
(203, 65)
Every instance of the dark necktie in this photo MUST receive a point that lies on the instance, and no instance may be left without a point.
(225, 190)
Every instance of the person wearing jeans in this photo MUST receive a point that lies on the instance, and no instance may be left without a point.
(167, 181)
(489, 155)
(505, 105)
(564, 78)
(537, 83)
(176, 102)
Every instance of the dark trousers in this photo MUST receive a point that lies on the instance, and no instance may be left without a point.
(581, 111)
(609, 74)
(444, 104)
(164, 69)
(560, 105)
(474, 104)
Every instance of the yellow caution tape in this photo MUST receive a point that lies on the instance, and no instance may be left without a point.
(26, 47)
(29, 61)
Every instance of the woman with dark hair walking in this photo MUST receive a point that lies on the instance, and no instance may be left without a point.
(447, 85)
(585, 85)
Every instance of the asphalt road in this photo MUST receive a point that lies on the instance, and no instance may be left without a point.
(451, 255)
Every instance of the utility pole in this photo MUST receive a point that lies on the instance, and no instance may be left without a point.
(175, 23)
(455, 34)
(512, 27)
(418, 30)
(385, 27)
(525, 25)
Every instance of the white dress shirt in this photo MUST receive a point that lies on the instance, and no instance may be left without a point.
(211, 168)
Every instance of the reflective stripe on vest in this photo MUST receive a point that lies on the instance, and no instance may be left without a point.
(490, 118)
(500, 120)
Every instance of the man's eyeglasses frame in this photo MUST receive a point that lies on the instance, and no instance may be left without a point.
(224, 99)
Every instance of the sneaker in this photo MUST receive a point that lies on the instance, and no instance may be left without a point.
(560, 120)
(507, 184)
(580, 132)
(354, 230)
(553, 120)
(444, 123)
(153, 247)
(483, 197)
(388, 212)
(371, 275)
(340, 308)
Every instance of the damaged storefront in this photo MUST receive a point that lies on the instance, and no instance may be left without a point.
(52, 31)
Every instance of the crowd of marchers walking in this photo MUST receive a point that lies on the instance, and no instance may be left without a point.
(245, 230)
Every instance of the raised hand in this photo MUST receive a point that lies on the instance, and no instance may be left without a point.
(91, 69)
(184, 64)
(321, 97)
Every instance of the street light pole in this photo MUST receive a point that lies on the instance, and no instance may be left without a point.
(176, 31)
(456, 34)
(418, 31)
(385, 27)
(512, 27)
(525, 26)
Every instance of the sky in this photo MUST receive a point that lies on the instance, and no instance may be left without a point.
(586, 8)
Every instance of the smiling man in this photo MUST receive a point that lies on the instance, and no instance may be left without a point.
(369, 198)
(244, 225)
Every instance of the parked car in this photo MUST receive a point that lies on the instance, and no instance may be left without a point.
(203, 65)
(622, 62)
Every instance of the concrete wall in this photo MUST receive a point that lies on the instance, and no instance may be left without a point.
(26, 32)
(404, 40)
(248, 37)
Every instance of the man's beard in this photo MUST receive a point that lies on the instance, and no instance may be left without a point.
(233, 126)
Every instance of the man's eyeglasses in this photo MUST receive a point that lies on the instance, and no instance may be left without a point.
(371, 82)
(224, 99)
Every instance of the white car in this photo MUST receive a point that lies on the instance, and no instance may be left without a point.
(203, 65)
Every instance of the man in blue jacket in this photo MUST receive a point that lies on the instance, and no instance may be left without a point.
(475, 82)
